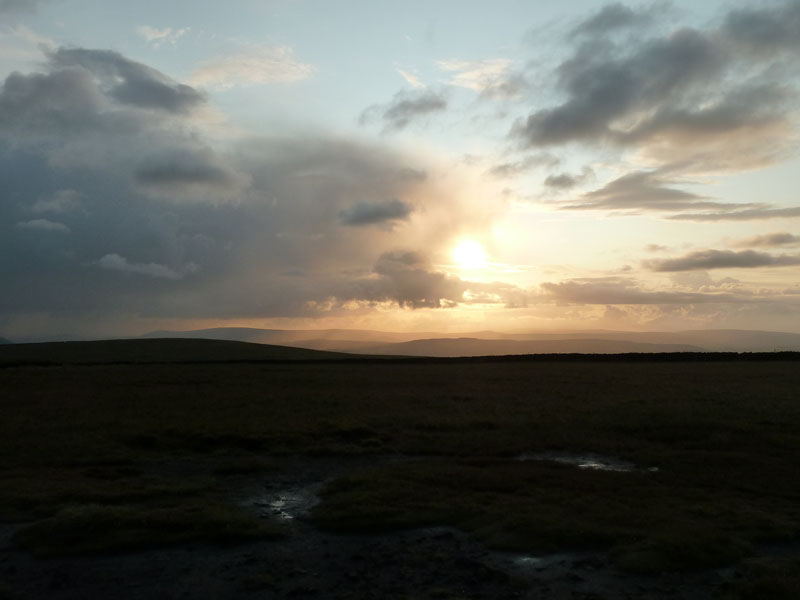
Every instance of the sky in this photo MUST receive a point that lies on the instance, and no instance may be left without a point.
(445, 166)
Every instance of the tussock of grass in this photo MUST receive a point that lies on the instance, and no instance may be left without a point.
(95, 529)
(652, 523)
(34, 493)
(762, 578)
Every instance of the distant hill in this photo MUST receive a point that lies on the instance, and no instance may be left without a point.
(4, 341)
(154, 351)
(477, 347)
(498, 343)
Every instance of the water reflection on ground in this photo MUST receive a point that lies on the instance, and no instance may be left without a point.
(587, 460)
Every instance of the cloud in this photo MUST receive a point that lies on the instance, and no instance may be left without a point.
(127, 81)
(208, 230)
(411, 284)
(200, 174)
(702, 98)
(19, 6)
(250, 66)
(765, 31)
(566, 181)
(767, 240)
(377, 212)
(411, 78)
(617, 290)
(115, 262)
(405, 108)
(763, 211)
(641, 190)
(613, 17)
(490, 77)
(60, 202)
(156, 37)
(43, 225)
(721, 259)
(533, 161)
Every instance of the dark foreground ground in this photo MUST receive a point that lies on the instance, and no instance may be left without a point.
(497, 479)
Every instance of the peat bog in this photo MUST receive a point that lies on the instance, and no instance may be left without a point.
(399, 479)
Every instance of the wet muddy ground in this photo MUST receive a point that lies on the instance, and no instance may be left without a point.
(309, 563)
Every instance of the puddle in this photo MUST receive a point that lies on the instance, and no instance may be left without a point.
(589, 460)
(285, 504)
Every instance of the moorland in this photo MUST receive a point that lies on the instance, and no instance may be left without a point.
(198, 468)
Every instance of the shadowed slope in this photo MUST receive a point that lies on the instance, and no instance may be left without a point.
(154, 351)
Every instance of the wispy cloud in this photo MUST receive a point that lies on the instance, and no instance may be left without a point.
(477, 75)
(156, 37)
(43, 225)
(252, 65)
(410, 78)
(115, 262)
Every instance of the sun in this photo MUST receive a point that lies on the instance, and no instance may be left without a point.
(469, 254)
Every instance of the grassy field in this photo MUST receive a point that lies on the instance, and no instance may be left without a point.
(716, 447)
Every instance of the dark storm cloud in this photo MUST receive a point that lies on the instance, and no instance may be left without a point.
(767, 240)
(721, 259)
(703, 98)
(405, 108)
(187, 170)
(766, 30)
(410, 282)
(117, 204)
(374, 213)
(130, 82)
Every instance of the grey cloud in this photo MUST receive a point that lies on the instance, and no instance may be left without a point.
(115, 262)
(614, 17)
(182, 170)
(130, 82)
(61, 201)
(19, 6)
(701, 97)
(411, 284)
(615, 290)
(377, 212)
(566, 181)
(602, 88)
(405, 108)
(43, 225)
(513, 168)
(768, 30)
(767, 240)
(752, 214)
(721, 259)
(647, 190)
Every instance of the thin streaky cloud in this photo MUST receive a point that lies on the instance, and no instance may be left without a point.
(412, 79)
(477, 75)
(253, 65)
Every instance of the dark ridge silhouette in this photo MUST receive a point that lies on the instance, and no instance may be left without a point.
(200, 351)
(174, 350)
(497, 343)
